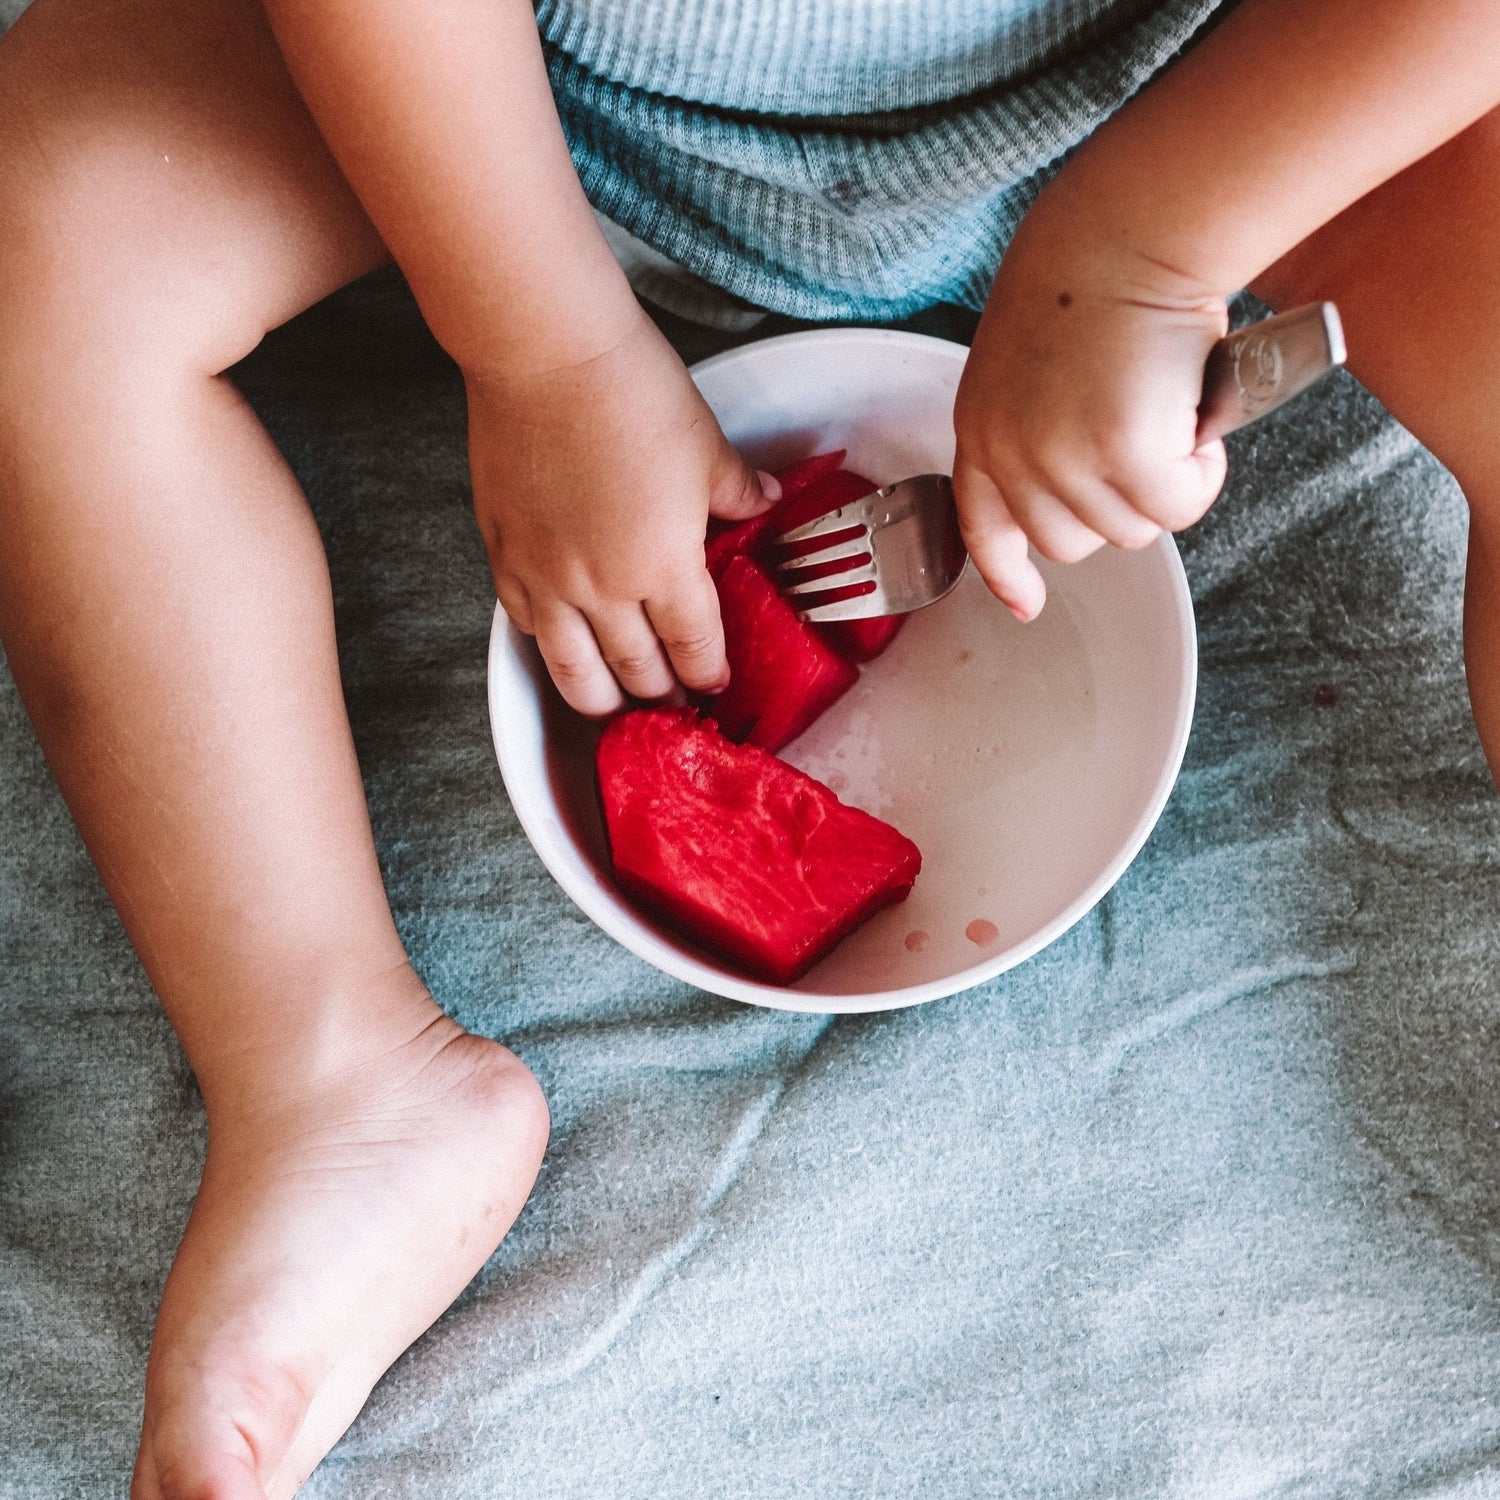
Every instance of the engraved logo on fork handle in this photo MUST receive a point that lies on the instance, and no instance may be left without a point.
(1255, 370)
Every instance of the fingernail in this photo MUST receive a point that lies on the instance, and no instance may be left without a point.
(770, 487)
(1026, 613)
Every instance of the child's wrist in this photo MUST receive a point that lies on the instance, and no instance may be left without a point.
(578, 313)
(1079, 241)
(558, 360)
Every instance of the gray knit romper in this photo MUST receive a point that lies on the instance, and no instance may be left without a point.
(846, 159)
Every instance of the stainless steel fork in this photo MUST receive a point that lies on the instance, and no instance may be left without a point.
(899, 549)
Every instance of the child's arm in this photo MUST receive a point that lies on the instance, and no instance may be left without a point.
(595, 462)
(1077, 413)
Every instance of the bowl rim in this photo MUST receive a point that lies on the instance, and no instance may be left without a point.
(804, 336)
(533, 805)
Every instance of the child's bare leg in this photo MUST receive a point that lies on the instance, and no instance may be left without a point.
(166, 610)
(1415, 270)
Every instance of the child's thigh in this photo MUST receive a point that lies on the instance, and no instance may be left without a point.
(1415, 270)
(162, 186)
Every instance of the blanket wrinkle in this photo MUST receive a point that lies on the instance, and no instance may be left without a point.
(708, 1037)
(653, 1275)
(665, 1263)
(1438, 1479)
(1185, 1010)
(1104, 925)
(1476, 1237)
(1411, 843)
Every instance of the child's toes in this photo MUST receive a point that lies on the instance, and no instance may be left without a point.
(206, 1438)
(199, 1473)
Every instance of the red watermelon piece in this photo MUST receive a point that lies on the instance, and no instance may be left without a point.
(741, 852)
(782, 673)
(809, 489)
(863, 640)
(857, 640)
(826, 493)
(807, 471)
(741, 538)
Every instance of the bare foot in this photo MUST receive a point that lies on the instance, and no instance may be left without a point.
(332, 1227)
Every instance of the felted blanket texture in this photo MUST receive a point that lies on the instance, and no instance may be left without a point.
(1202, 1202)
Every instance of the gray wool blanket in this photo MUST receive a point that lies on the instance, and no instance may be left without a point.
(1202, 1202)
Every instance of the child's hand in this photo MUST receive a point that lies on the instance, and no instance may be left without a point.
(593, 485)
(1077, 412)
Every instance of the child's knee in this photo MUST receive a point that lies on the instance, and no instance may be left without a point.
(105, 268)
(84, 296)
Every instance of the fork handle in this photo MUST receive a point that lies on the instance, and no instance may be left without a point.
(1261, 367)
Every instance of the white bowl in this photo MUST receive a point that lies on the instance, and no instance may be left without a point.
(1028, 762)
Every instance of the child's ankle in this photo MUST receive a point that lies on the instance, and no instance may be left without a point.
(342, 1045)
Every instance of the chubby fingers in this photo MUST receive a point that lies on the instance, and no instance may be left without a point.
(515, 599)
(631, 650)
(1067, 519)
(1179, 495)
(997, 543)
(573, 659)
(1106, 513)
(600, 658)
(738, 492)
(687, 623)
(597, 657)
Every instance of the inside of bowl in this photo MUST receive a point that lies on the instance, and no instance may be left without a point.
(1020, 758)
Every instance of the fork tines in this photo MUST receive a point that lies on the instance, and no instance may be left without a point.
(832, 566)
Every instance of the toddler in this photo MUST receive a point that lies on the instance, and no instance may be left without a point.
(179, 176)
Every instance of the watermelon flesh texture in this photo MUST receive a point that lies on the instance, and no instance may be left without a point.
(738, 850)
(809, 489)
(782, 673)
(863, 640)
(858, 640)
(743, 538)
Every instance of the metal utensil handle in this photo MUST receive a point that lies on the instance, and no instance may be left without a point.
(1261, 367)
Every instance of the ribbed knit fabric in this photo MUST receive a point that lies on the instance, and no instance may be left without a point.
(854, 159)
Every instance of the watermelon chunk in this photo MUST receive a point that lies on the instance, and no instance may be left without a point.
(741, 538)
(780, 680)
(826, 493)
(863, 640)
(742, 853)
(782, 674)
(858, 640)
(807, 471)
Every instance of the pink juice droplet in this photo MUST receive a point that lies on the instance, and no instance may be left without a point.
(981, 933)
(916, 941)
